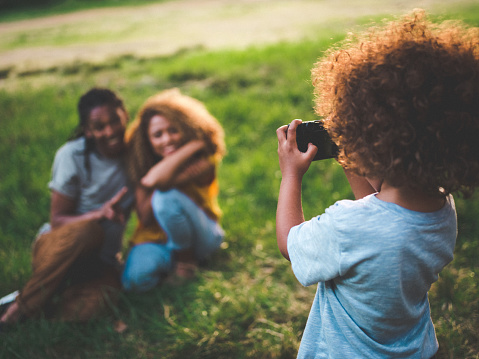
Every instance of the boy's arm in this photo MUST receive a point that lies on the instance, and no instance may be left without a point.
(293, 165)
(289, 212)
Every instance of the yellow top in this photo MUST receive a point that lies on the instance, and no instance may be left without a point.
(151, 234)
(205, 197)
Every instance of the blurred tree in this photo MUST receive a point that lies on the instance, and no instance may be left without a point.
(15, 4)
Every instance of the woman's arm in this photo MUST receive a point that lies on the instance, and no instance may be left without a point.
(143, 205)
(201, 171)
(63, 210)
(178, 168)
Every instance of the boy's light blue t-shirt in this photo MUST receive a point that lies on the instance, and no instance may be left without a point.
(375, 262)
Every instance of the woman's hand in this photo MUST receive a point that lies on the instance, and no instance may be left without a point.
(164, 175)
(111, 210)
(62, 210)
(195, 145)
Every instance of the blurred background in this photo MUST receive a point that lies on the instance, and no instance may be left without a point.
(54, 32)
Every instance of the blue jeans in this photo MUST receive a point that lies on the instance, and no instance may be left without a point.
(186, 225)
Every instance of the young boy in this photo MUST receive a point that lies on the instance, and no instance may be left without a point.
(402, 103)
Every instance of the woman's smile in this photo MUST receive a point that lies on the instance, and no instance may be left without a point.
(165, 137)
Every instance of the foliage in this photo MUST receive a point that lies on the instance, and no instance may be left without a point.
(246, 302)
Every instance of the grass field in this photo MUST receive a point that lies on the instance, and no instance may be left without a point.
(246, 303)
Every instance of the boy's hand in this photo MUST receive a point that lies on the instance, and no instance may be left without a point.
(292, 161)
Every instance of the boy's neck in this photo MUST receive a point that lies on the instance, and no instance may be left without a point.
(411, 199)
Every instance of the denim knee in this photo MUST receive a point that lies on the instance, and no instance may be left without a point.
(176, 213)
(145, 266)
(167, 203)
(186, 224)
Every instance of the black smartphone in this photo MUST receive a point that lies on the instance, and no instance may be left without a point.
(314, 132)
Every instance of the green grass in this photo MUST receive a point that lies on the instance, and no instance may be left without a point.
(246, 302)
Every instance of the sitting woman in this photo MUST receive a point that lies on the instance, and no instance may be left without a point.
(75, 269)
(175, 146)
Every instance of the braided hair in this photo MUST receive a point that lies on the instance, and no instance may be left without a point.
(95, 97)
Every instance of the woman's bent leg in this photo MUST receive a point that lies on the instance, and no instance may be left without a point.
(53, 255)
(85, 300)
(186, 224)
(145, 265)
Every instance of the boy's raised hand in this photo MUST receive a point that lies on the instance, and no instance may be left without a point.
(292, 161)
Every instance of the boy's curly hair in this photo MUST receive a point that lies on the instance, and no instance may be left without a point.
(192, 118)
(402, 103)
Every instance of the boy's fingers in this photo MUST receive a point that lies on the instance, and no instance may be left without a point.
(281, 132)
(288, 131)
(296, 122)
(292, 129)
(311, 151)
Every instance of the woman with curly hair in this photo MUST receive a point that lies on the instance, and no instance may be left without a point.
(402, 103)
(175, 146)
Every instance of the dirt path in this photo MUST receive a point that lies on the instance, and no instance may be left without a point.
(164, 28)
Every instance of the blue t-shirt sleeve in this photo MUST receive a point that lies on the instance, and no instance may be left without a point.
(65, 175)
(314, 250)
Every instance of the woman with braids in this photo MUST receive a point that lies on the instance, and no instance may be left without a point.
(75, 270)
(402, 103)
(175, 145)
